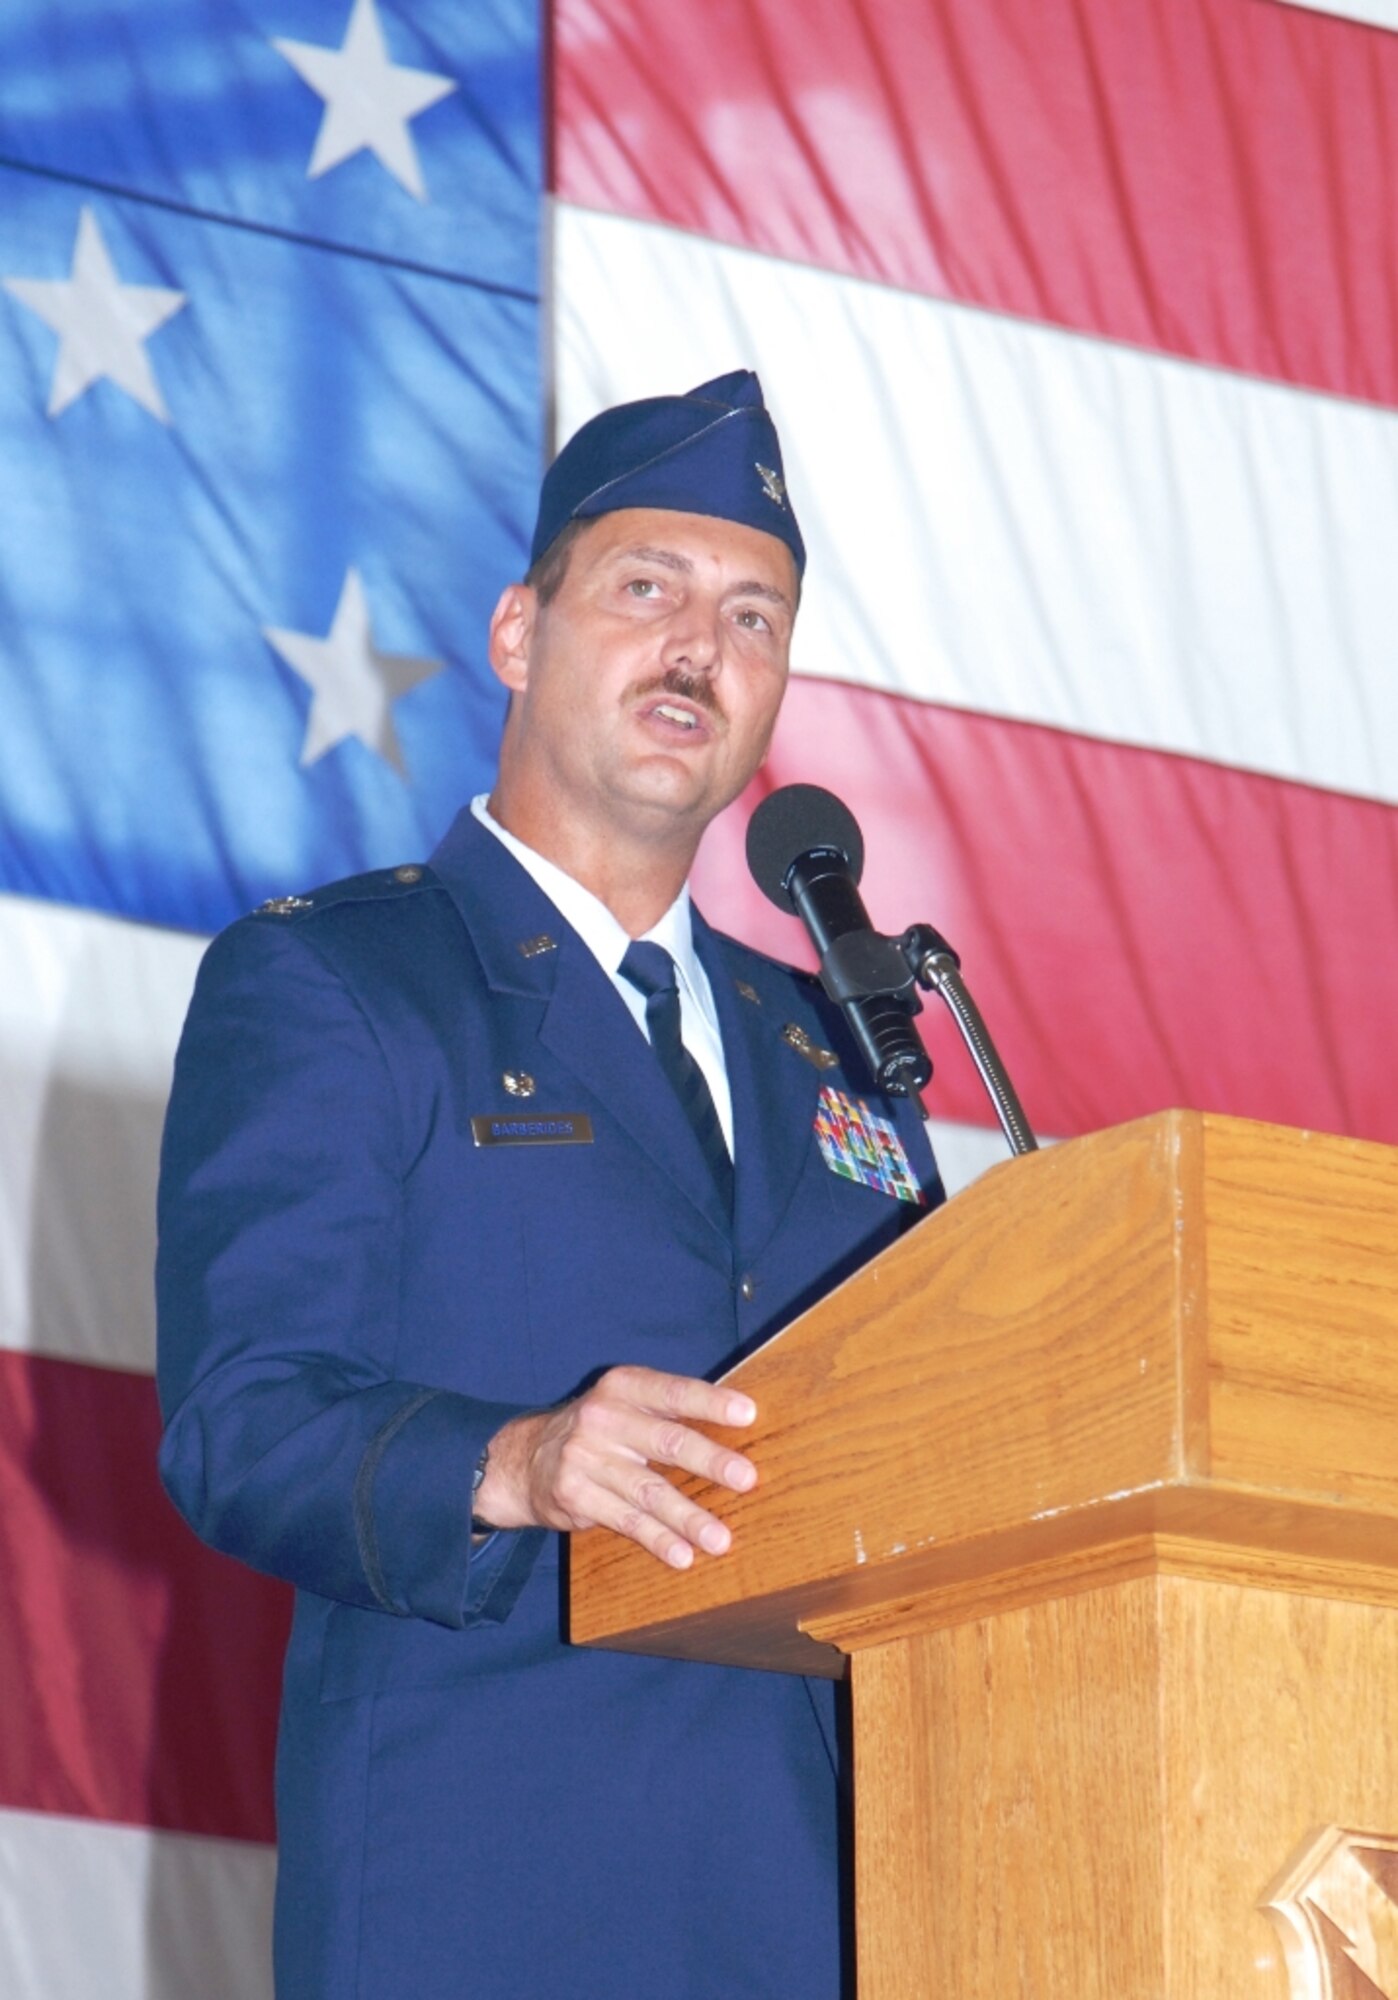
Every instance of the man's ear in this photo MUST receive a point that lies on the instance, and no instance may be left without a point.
(511, 630)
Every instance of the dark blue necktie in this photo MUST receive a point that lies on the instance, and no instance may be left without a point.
(651, 970)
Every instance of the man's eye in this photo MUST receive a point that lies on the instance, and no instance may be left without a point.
(754, 621)
(643, 586)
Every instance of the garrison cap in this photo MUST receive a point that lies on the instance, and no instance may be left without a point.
(713, 451)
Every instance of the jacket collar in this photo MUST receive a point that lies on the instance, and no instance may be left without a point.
(516, 930)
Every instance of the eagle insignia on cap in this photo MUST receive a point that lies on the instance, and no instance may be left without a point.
(772, 484)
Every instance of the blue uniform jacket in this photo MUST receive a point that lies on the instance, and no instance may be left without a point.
(353, 1296)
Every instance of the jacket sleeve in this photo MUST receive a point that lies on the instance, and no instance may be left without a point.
(290, 1441)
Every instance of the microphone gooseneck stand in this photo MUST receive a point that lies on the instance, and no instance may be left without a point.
(937, 968)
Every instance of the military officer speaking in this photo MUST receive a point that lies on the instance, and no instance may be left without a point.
(474, 1172)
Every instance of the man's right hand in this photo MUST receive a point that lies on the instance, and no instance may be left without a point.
(592, 1463)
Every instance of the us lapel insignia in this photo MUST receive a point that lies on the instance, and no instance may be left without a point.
(518, 1082)
(535, 947)
(797, 1038)
(748, 992)
(860, 1145)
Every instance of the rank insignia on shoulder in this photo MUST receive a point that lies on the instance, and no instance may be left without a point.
(859, 1144)
(284, 906)
(797, 1038)
(535, 947)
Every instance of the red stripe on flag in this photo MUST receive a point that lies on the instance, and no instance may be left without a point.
(1141, 930)
(156, 1698)
(1207, 177)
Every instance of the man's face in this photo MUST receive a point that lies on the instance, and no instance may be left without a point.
(646, 690)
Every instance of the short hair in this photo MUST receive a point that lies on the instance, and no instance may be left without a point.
(545, 575)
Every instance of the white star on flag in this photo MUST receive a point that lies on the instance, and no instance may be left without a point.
(368, 99)
(354, 685)
(102, 324)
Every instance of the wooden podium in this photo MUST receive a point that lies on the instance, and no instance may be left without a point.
(1092, 1483)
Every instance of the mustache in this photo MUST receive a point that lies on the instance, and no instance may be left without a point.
(696, 688)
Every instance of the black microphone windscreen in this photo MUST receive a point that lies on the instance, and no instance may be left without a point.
(795, 821)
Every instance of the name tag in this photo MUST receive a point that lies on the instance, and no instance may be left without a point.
(545, 1128)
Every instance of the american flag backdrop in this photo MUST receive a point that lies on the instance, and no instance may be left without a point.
(1080, 322)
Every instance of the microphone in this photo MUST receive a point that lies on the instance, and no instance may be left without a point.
(806, 854)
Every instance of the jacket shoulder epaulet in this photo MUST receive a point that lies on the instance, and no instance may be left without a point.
(763, 961)
(375, 886)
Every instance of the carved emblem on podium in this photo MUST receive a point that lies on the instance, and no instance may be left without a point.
(1336, 1908)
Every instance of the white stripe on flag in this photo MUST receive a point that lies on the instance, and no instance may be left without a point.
(965, 1152)
(115, 1911)
(1006, 517)
(90, 1013)
(1377, 13)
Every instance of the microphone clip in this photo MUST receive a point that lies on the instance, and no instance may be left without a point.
(866, 965)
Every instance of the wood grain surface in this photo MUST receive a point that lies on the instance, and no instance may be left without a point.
(1093, 1480)
(1302, 1236)
(1003, 1361)
(1186, 1327)
(1012, 1769)
(1087, 1799)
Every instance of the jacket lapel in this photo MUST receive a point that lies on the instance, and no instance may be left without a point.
(584, 1025)
(774, 1092)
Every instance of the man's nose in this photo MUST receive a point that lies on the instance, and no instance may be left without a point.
(694, 640)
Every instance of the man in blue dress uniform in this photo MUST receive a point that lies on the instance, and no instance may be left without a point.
(474, 1172)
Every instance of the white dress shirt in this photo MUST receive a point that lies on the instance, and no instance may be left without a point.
(607, 940)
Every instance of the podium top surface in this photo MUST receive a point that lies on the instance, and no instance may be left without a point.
(1187, 1325)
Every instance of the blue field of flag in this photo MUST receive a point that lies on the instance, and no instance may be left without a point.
(269, 440)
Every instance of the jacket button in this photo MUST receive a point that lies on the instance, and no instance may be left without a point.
(747, 1286)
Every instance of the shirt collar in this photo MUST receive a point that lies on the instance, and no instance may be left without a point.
(594, 923)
